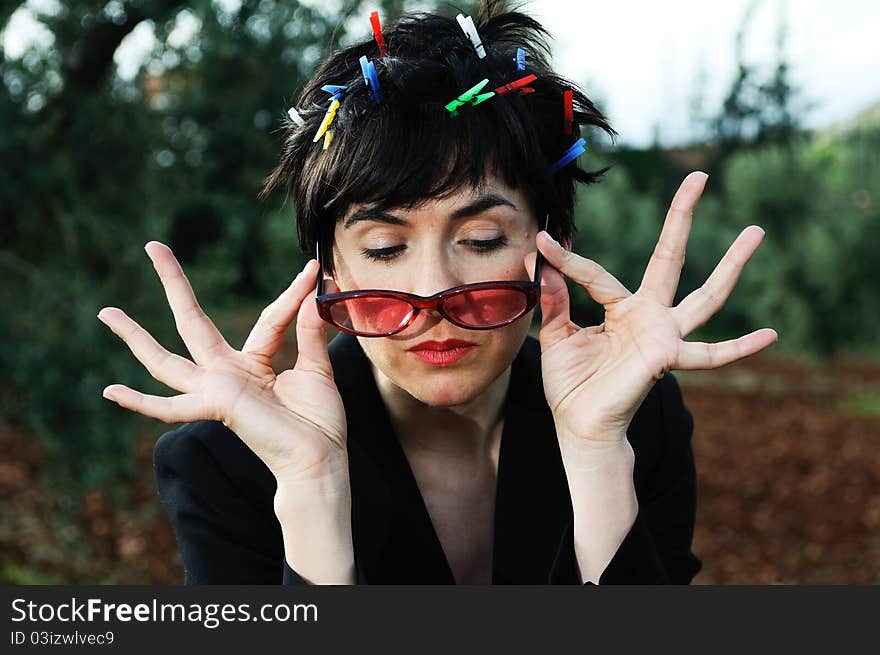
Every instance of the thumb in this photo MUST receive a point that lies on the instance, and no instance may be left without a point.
(555, 304)
(311, 333)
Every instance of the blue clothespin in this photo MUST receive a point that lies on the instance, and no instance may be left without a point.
(575, 150)
(338, 90)
(520, 59)
(371, 78)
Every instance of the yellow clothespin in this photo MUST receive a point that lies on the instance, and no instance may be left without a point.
(328, 137)
(328, 119)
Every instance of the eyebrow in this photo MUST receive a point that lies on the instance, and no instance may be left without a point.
(478, 206)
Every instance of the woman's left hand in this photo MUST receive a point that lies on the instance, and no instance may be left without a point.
(595, 378)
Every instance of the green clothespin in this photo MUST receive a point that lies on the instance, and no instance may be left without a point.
(472, 96)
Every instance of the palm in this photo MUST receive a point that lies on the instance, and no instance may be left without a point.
(244, 392)
(295, 421)
(619, 362)
(595, 378)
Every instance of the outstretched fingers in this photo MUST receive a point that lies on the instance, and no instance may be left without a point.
(185, 408)
(664, 268)
(701, 304)
(268, 332)
(200, 335)
(177, 372)
(695, 355)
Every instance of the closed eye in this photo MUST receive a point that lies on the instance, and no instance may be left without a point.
(489, 245)
(390, 253)
(382, 254)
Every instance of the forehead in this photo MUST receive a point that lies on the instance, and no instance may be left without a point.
(465, 202)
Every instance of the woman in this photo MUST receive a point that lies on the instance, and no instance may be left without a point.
(435, 442)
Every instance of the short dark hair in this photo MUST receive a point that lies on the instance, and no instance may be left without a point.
(408, 149)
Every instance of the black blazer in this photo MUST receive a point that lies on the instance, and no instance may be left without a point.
(219, 495)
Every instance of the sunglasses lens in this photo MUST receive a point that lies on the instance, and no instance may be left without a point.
(486, 307)
(374, 315)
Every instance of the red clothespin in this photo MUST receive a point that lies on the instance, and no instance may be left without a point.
(520, 85)
(568, 104)
(377, 33)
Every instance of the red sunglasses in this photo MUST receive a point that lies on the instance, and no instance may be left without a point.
(381, 312)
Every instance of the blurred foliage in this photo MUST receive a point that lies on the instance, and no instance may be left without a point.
(95, 165)
(813, 276)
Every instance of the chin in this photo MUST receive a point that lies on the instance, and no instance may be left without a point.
(445, 387)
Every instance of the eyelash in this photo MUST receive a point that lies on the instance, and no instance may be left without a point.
(387, 254)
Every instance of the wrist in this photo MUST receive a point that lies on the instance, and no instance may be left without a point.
(294, 494)
(327, 477)
(597, 450)
(315, 520)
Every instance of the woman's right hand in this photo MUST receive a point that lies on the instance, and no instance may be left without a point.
(294, 422)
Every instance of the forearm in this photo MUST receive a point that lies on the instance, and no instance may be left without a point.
(600, 480)
(315, 518)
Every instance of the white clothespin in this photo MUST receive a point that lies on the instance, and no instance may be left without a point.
(468, 27)
(295, 117)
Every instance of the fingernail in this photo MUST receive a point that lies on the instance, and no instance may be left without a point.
(107, 394)
(552, 240)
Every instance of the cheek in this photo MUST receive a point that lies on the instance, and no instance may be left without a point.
(384, 353)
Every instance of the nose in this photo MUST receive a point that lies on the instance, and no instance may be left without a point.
(433, 275)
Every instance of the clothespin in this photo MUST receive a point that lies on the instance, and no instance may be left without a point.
(574, 151)
(371, 78)
(328, 119)
(338, 90)
(295, 117)
(521, 85)
(377, 33)
(328, 137)
(468, 27)
(568, 110)
(472, 96)
(520, 59)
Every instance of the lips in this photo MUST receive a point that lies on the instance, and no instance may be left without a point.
(442, 353)
(449, 344)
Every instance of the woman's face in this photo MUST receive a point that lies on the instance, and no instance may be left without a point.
(474, 235)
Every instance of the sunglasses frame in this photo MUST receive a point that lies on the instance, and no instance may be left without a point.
(531, 290)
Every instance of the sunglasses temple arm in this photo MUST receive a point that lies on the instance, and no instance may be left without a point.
(539, 259)
(319, 289)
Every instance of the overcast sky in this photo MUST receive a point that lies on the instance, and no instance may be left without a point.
(641, 58)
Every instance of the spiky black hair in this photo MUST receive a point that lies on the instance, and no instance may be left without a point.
(408, 149)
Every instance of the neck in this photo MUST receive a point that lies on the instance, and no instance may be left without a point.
(463, 429)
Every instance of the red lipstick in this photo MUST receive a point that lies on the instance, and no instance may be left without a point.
(442, 353)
